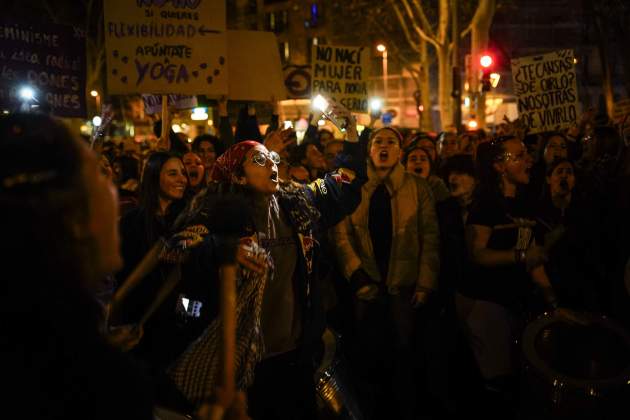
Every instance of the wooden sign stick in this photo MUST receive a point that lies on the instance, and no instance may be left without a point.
(164, 138)
(227, 276)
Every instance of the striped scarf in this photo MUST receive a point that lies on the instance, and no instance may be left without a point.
(197, 372)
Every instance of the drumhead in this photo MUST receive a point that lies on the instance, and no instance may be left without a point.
(591, 357)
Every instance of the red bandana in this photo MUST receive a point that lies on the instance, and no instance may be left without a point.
(227, 164)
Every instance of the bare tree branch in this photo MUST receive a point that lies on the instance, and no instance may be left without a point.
(403, 24)
(419, 30)
(424, 22)
(443, 22)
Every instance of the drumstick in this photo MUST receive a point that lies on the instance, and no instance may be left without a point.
(227, 275)
(144, 267)
(171, 281)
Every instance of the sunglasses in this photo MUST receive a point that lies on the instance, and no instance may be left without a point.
(260, 158)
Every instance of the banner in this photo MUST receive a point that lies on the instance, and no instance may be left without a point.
(256, 75)
(341, 73)
(546, 87)
(157, 46)
(50, 59)
(153, 103)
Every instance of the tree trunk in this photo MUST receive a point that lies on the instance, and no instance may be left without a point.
(602, 48)
(480, 34)
(425, 87)
(444, 86)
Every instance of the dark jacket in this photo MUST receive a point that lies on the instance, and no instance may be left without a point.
(169, 332)
(334, 198)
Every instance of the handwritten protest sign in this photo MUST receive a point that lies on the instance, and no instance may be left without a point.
(341, 73)
(547, 90)
(257, 75)
(153, 103)
(157, 46)
(50, 59)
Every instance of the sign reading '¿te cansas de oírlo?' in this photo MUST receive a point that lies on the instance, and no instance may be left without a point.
(341, 73)
(50, 59)
(166, 46)
(546, 87)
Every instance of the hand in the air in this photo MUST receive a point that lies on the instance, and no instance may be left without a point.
(278, 140)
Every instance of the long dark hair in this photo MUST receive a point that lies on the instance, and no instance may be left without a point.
(150, 192)
(44, 201)
(487, 155)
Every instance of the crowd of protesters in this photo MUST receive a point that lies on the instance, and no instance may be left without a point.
(428, 255)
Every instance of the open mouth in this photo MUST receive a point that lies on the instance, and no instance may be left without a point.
(274, 177)
(418, 171)
(564, 185)
(194, 174)
(383, 156)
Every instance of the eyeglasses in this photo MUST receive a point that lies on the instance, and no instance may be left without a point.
(260, 158)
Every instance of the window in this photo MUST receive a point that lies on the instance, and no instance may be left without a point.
(285, 53)
(310, 43)
(314, 19)
(277, 21)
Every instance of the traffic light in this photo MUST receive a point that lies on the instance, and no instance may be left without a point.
(486, 61)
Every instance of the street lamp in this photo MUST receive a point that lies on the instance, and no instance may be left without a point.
(97, 98)
(383, 49)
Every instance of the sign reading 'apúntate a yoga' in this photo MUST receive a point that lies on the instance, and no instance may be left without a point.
(546, 87)
(341, 73)
(158, 46)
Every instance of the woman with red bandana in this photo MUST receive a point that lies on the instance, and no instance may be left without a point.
(286, 220)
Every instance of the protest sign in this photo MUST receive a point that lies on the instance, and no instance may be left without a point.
(546, 87)
(341, 73)
(153, 103)
(50, 59)
(157, 46)
(256, 75)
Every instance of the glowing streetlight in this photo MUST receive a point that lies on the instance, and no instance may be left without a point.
(97, 98)
(97, 121)
(472, 124)
(383, 49)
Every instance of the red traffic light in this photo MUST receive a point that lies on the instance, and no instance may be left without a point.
(486, 61)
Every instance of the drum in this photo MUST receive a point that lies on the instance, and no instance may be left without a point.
(161, 413)
(332, 380)
(576, 371)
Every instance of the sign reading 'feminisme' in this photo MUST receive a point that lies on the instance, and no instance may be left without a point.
(166, 46)
(341, 73)
(546, 87)
(47, 58)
